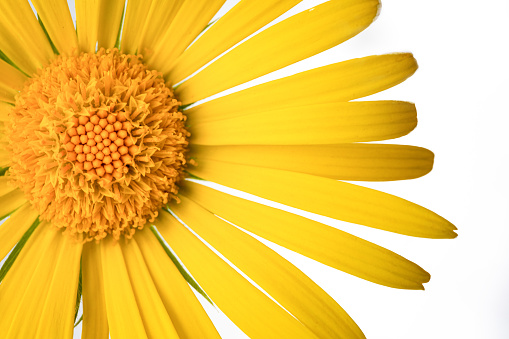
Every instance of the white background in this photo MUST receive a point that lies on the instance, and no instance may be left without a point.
(460, 90)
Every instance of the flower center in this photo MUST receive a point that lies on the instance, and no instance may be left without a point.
(98, 144)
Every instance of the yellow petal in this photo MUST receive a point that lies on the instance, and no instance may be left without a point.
(12, 229)
(95, 319)
(136, 16)
(280, 279)
(238, 23)
(57, 20)
(5, 185)
(294, 39)
(124, 317)
(10, 202)
(110, 17)
(343, 81)
(186, 312)
(191, 19)
(11, 82)
(335, 199)
(320, 242)
(5, 108)
(155, 318)
(251, 310)
(365, 162)
(5, 158)
(87, 24)
(22, 38)
(328, 123)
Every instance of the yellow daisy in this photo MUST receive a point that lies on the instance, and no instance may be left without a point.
(103, 158)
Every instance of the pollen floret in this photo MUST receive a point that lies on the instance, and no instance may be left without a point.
(98, 143)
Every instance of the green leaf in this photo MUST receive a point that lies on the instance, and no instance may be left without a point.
(179, 266)
(3, 171)
(17, 249)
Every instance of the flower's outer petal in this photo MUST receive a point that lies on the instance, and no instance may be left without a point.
(12, 229)
(110, 17)
(364, 162)
(294, 39)
(22, 38)
(343, 81)
(238, 23)
(191, 19)
(155, 318)
(57, 20)
(251, 310)
(124, 317)
(329, 123)
(5, 108)
(279, 278)
(186, 313)
(87, 23)
(320, 242)
(335, 199)
(10, 201)
(6, 186)
(5, 159)
(95, 318)
(11, 82)
(142, 32)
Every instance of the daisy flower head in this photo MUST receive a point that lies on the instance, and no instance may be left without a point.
(108, 148)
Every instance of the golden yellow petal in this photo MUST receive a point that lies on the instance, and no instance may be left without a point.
(251, 310)
(335, 199)
(110, 16)
(245, 18)
(11, 82)
(5, 108)
(279, 278)
(136, 16)
(87, 24)
(186, 312)
(11, 201)
(294, 39)
(13, 228)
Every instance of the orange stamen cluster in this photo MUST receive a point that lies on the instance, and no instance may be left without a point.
(98, 144)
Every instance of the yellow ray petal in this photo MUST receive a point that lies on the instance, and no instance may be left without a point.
(57, 20)
(320, 242)
(365, 162)
(5, 108)
(342, 81)
(87, 24)
(6, 186)
(22, 38)
(110, 16)
(13, 228)
(11, 201)
(11, 82)
(253, 312)
(5, 157)
(57, 315)
(95, 319)
(238, 23)
(284, 282)
(186, 313)
(191, 19)
(155, 318)
(335, 199)
(328, 123)
(124, 317)
(136, 16)
(294, 39)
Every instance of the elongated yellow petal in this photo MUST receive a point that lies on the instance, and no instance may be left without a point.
(87, 24)
(110, 16)
(191, 19)
(289, 41)
(5, 157)
(22, 38)
(11, 201)
(124, 317)
(328, 123)
(284, 282)
(238, 23)
(5, 108)
(335, 199)
(13, 228)
(6, 186)
(95, 319)
(343, 81)
(320, 242)
(186, 313)
(11, 82)
(57, 20)
(365, 162)
(136, 16)
(57, 315)
(253, 312)
(155, 318)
